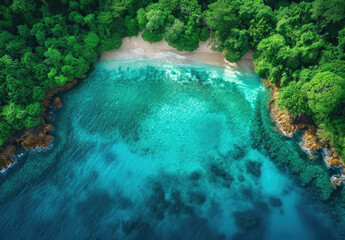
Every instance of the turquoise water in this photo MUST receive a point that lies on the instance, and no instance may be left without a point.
(154, 150)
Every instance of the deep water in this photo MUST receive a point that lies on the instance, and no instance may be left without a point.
(153, 150)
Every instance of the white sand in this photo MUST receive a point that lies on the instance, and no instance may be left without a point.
(137, 48)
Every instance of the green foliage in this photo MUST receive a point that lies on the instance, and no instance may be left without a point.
(304, 55)
(330, 11)
(292, 98)
(315, 174)
(152, 36)
(132, 26)
(179, 22)
(239, 25)
(155, 19)
(324, 92)
(91, 40)
(45, 44)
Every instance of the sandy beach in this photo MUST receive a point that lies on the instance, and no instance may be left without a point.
(137, 48)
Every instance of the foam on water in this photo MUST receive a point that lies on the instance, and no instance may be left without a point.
(155, 150)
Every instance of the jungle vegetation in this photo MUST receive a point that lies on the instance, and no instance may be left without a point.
(299, 45)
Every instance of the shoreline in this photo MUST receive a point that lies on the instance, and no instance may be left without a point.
(287, 125)
(132, 48)
(137, 48)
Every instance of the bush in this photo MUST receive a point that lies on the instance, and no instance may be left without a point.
(151, 36)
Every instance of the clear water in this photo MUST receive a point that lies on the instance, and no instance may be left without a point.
(154, 150)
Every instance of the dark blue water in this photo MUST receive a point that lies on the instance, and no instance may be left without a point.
(152, 150)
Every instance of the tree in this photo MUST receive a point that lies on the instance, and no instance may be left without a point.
(91, 40)
(324, 92)
(141, 19)
(155, 19)
(292, 98)
(132, 26)
(331, 10)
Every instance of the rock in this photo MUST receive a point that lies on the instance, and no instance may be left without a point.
(283, 119)
(52, 92)
(310, 139)
(335, 161)
(41, 139)
(6, 156)
(288, 124)
(57, 102)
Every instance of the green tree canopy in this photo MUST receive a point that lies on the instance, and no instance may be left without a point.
(324, 92)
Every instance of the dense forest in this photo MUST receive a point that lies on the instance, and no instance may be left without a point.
(299, 46)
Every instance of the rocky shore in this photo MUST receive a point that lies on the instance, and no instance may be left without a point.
(287, 125)
(34, 137)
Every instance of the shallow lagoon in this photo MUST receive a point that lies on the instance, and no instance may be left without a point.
(153, 150)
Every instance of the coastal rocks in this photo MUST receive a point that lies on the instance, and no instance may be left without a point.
(335, 161)
(311, 141)
(282, 117)
(36, 136)
(284, 120)
(288, 124)
(51, 93)
(34, 139)
(57, 102)
(6, 156)
(26, 139)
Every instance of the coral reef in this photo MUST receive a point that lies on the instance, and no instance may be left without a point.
(254, 168)
(275, 202)
(247, 220)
